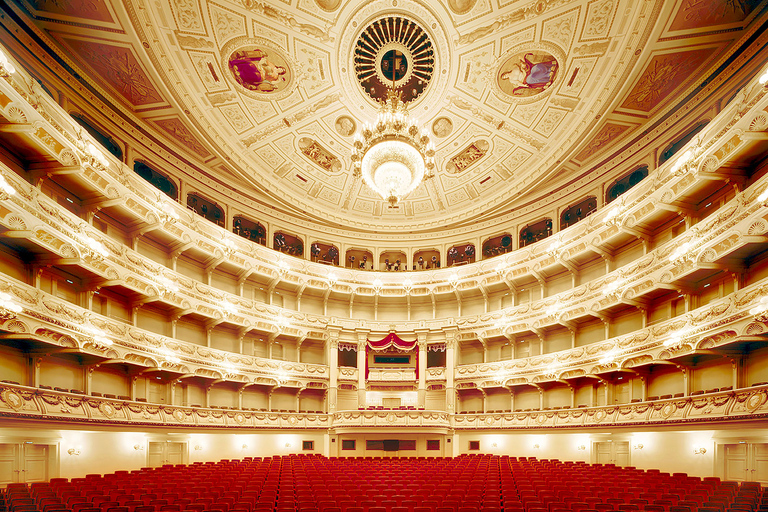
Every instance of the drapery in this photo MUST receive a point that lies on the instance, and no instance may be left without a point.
(388, 341)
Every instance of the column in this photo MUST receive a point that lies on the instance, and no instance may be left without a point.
(450, 361)
(422, 397)
(332, 348)
(739, 371)
(88, 379)
(687, 379)
(362, 343)
(134, 381)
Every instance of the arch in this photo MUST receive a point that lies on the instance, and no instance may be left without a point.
(102, 138)
(324, 253)
(425, 259)
(578, 211)
(287, 243)
(539, 230)
(392, 260)
(497, 245)
(680, 142)
(206, 208)
(359, 258)
(626, 182)
(157, 179)
(461, 254)
(249, 229)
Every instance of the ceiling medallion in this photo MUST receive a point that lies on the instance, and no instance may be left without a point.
(526, 73)
(394, 154)
(394, 50)
(260, 70)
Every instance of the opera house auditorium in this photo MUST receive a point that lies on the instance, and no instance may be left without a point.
(383, 256)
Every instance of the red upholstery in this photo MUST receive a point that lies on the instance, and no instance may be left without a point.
(311, 483)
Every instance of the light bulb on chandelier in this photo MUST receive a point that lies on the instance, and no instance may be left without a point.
(394, 155)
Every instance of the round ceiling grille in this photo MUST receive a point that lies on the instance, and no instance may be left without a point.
(394, 48)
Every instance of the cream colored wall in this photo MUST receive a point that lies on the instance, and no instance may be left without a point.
(346, 400)
(112, 450)
(421, 445)
(667, 451)
(13, 366)
(712, 374)
(109, 450)
(435, 400)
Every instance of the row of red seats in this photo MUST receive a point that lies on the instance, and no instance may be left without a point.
(312, 483)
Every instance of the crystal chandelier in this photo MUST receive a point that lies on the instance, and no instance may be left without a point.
(393, 155)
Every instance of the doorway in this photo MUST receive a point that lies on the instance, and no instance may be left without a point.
(746, 462)
(24, 463)
(169, 452)
(612, 452)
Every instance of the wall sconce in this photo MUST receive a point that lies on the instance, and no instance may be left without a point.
(245, 447)
(581, 447)
(198, 447)
(74, 451)
(699, 450)
(138, 447)
(494, 445)
(536, 446)
(288, 445)
(637, 446)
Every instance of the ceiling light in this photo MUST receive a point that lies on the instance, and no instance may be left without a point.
(552, 310)
(96, 247)
(7, 303)
(612, 217)
(763, 78)
(682, 252)
(6, 187)
(681, 164)
(394, 154)
(609, 357)
(96, 154)
(6, 66)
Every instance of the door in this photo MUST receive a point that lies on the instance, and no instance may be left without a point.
(746, 462)
(9, 468)
(760, 463)
(736, 461)
(23, 463)
(612, 452)
(621, 453)
(175, 453)
(621, 393)
(157, 392)
(159, 453)
(603, 452)
(35, 462)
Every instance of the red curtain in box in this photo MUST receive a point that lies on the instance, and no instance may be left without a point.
(388, 341)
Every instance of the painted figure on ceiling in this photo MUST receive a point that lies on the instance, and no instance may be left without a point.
(525, 75)
(254, 70)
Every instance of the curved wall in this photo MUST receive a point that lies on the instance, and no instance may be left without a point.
(125, 309)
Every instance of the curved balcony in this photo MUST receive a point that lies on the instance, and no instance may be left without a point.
(21, 402)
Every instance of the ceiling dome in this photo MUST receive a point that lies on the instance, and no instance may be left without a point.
(528, 103)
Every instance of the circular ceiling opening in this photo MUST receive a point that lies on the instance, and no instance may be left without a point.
(394, 50)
